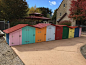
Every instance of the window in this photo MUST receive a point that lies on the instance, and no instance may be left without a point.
(60, 14)
(64, 5)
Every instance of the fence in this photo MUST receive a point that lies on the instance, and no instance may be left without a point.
(3, 25)
(83, 27)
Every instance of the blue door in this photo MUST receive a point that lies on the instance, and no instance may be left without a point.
(28, 35)
(76, 34)
(7, 38)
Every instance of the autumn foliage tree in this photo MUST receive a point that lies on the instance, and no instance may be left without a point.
(78, 10)
(34, 10)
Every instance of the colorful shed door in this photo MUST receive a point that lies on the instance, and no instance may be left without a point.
(71, 32)
(59, 31)
(7, 38)
(76, 34)
(65, 32)
(28, 35)
(40, 34)
(80, 29)
(15, 38)
(50, 33)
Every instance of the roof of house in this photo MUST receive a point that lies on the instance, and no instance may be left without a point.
(62, 17)
(60, 5)
(14, 28)
(41, 25)
(35, 14)
(61, 25)
(37, 17)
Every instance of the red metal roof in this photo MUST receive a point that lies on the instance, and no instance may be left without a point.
(73, 26)
(12, 29)
(35, 13)
(41, 25)
(61, 25)
(37, 17)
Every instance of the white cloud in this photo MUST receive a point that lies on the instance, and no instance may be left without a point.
(52, 2)
(52, 14)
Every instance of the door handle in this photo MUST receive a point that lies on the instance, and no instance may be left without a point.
(19, 35)
(33, 34)
(40, 39)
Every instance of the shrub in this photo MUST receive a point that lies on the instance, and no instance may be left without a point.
(65, 22)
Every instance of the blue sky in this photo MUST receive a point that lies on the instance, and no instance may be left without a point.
(51, 4)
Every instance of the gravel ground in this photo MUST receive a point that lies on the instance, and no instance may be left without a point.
(7, 55)
(83, 51)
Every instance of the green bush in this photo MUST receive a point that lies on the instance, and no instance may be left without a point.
(16, 22)
(65, 22)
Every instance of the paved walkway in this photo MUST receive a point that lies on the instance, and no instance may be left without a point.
(59, 52)
(7, 55)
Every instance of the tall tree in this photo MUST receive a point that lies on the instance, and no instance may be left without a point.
(54, 16)
(78, 10)
(46, 11)
(1, 11)
(14, 9)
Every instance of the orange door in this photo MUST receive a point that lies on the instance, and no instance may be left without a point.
(43, 34)
(40, 34)
(37, 35)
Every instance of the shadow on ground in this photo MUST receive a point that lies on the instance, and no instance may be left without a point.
(43, 46)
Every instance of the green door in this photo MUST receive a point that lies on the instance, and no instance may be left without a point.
(65, 32)
(24, 35)
(28, 35)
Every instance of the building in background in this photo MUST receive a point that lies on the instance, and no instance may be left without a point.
(63, 12)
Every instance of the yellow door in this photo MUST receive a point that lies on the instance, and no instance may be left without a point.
(71, 32)
(40, 34)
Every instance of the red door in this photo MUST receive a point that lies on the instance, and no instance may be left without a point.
(58, 34)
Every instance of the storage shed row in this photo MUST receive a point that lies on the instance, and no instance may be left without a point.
(26, 34)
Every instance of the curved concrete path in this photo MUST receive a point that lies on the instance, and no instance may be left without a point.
(59, 52)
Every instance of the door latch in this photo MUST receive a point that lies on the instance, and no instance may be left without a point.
(33, 34)
(19, 35)
(12, 43)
